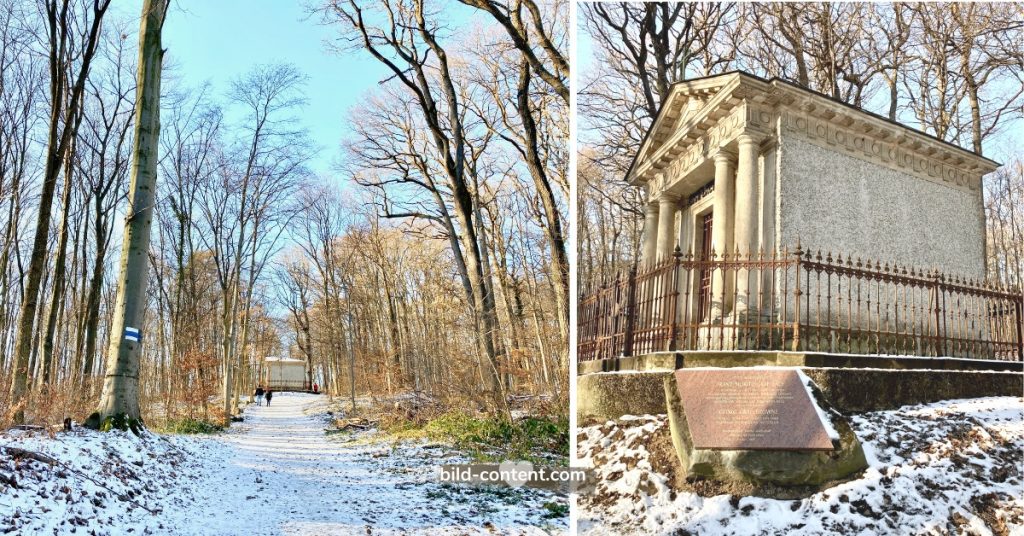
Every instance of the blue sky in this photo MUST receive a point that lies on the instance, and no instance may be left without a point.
(218, 40)
(584, 47)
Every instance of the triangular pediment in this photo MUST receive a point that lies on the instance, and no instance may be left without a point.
(686, 100)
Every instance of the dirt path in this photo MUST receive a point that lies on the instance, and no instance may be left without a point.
(282, 474)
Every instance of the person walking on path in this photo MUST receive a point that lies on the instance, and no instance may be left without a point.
(259, 395)
(269, 394)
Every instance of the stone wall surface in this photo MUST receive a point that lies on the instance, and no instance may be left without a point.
(834, 201)
(857, 390)
(609, 395)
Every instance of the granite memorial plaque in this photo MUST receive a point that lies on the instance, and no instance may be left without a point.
(732, 409)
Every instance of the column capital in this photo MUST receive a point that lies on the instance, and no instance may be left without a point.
(667, 198)
(651, 209)
(723, 156)
(750, 137)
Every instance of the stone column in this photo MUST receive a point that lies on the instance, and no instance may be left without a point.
(722, 204)
(721, 227)
(746, 234)
(746, 195)
(685, 238)
(650, 233)
(667, 205)
(685, 242)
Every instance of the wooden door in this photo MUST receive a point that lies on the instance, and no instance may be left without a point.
(704, 295)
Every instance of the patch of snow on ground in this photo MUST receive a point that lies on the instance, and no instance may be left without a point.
(952, 467)
(277, 472)
(109, 483)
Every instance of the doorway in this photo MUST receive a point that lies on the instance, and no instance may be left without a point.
(704, 292)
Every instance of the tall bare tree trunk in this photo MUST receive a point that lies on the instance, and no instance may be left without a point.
(228, 346)
(119, 403)
(552, 217)
(92, 304)
(60, 32)
(60, 265)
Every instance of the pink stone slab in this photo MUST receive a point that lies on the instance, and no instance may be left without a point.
(743, 409)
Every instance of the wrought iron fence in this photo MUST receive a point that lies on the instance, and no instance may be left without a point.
(800, 301)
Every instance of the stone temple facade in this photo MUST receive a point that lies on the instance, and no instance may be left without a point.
(756, 165)
(738, 164)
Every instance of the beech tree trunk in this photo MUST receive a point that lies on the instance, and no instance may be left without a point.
(121, 383)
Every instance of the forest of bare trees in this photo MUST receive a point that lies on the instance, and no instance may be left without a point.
(955, 71)
(432, 259)
(434, 256)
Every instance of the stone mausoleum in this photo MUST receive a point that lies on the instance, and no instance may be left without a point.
(740, 171)
(786, 229)
(736, 162)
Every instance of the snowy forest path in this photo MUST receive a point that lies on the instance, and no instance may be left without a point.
(281, 473)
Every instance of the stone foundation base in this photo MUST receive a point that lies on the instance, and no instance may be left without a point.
(849, 383)
(608, 396)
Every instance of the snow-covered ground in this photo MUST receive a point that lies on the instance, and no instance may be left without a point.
(953, 467)
(277, 472)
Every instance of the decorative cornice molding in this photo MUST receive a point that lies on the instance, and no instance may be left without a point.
(897, 154)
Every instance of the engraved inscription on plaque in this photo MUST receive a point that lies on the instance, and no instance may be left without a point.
(750, 410)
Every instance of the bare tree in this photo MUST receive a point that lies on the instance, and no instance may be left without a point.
(191, 145)
(240, 204)
(531, 123)
(403, 36)
(891, 35)
(555, 71)
(119, 403)
(103, 161)
(989, 46)
(67, 84)
(1004, 213)
(644, 48)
